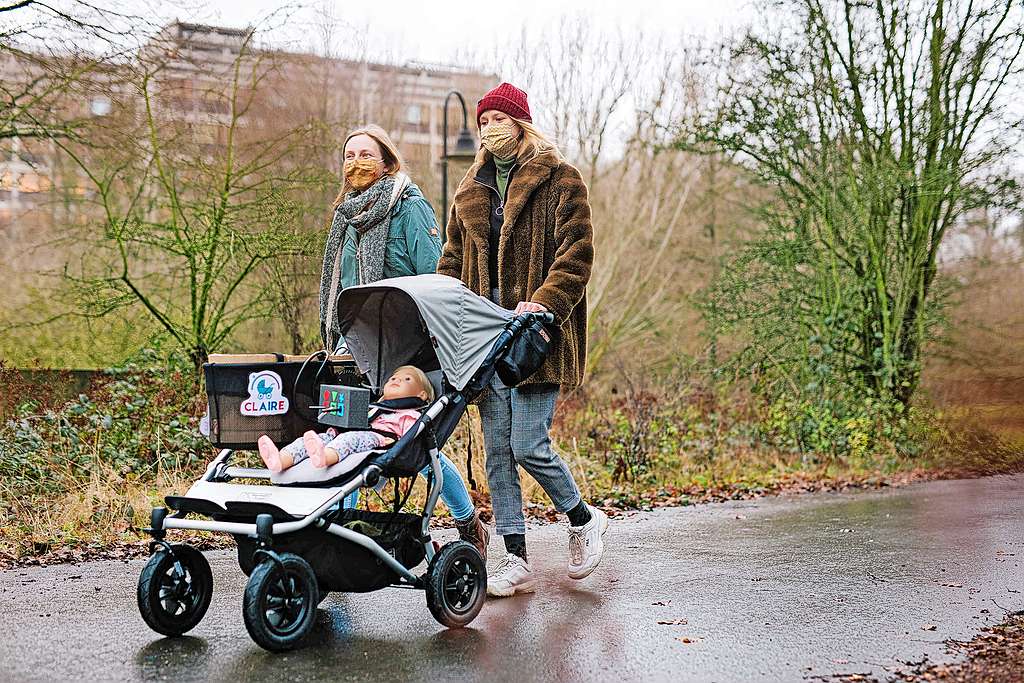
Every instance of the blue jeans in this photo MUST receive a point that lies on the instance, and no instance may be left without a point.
(453, 491)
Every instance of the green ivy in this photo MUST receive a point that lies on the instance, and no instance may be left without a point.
(137, 418)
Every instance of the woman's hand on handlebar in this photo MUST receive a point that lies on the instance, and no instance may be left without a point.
(529, 307)
(540, 312)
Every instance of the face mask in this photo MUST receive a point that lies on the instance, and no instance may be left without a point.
(500, 139)
(361, 173)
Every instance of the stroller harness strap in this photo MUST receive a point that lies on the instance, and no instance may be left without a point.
(392, 406)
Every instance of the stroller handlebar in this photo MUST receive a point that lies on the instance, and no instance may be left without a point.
(529, 316)
(517, 324)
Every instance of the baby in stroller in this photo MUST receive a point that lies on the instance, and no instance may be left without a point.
(407, 390)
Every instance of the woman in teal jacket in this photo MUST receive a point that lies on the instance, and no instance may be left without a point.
(413, 244)
(384, 227)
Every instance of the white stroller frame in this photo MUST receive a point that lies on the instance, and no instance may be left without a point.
(219, 472)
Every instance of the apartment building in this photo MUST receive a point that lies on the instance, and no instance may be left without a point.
(197, 63)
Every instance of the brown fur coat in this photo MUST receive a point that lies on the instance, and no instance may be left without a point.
(545, 253)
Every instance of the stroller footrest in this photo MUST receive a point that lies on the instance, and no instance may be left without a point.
(200, 506)
(250, 510)
(230, 509)
(242, 500)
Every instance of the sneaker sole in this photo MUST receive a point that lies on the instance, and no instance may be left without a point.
(584, 574)
(528, 587)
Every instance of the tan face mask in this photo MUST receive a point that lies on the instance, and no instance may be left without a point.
(361, 173)
(500, 139)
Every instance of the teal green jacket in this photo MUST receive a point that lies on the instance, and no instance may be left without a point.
(414, 241)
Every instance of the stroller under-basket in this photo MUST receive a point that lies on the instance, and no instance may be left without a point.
(295, 540)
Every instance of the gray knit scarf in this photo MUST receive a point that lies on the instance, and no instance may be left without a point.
(369, 212)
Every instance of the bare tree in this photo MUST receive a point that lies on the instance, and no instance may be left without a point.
(196, 193)
(611, 101)
(49, 56)
(583, 79)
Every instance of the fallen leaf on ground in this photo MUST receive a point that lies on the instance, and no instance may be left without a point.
(995, 654)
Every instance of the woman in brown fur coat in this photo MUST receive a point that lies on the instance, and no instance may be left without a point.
(519, 233)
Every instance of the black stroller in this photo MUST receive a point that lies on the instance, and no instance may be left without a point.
(295, 541)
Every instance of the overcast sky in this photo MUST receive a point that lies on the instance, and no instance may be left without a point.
(445, 30)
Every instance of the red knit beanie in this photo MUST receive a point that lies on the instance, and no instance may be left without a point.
(507, 98)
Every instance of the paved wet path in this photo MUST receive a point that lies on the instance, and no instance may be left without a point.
(780, 589)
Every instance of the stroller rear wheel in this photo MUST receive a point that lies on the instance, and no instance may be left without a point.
(279, 606)
(174, 590)
(456, 584)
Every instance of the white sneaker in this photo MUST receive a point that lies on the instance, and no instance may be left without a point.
(512, 575)
(586, 545)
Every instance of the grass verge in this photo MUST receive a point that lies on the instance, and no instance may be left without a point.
(78, 477)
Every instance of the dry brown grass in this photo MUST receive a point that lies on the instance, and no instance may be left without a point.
(977, 377)
(105, 508)
(108, 507)
(104, 512)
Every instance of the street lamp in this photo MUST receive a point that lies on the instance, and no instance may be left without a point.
(465, 149)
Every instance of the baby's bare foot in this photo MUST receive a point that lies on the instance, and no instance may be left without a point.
(269, 453)
(315, 448)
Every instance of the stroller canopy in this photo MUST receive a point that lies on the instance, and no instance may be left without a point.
(409, 320)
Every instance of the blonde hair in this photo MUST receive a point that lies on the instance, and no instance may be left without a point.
(421, 377)
(389, 151)
(534, 143)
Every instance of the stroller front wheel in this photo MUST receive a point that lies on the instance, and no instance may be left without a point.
(456, 584)
(279, 605)
(174, 590)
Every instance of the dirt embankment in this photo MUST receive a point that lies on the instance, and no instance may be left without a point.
(996, 655)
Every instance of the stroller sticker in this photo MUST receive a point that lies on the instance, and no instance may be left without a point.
(266, 395)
